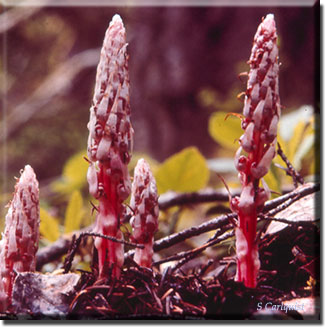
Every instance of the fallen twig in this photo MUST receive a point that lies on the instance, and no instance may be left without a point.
(76, 242)
(298, 193)
(170, 199)
(53, 251)
(193, 231)
(291, 171)
(290, 222)
(194, 252)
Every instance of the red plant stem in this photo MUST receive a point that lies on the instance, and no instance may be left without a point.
(108, 208)
(247, 223)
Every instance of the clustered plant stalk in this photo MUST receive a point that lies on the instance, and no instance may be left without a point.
(261, 112)
(20, 240)
(144, 204)
(110, 145)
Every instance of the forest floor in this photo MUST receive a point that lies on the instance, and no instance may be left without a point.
(197, 288)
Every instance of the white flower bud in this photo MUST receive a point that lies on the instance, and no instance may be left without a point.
(247, 138)
(92, 180)
(258, 114)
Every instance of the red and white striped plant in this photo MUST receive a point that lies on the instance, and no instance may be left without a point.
(262, 112)
(144, 204)
(110, 145)
(20, 239)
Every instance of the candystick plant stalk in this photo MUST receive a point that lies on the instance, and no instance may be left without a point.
(110, 144)
(144, 204)
(20, 240)
(261, 112)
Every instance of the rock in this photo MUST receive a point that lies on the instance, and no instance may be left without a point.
(304, 209)
(41, 295)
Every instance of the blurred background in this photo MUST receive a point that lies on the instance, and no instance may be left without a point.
(177, 55)
(184, 66)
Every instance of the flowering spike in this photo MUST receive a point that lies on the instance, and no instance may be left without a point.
(110, 144)
(144, 203)
(262, 112)
(20, 240)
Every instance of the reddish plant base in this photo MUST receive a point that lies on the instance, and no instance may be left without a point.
(110, 254)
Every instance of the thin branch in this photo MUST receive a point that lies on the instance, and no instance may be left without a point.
(293, 198)
(300, 192)
(170, 199)
(290, 222)
(291, 171)
(76, 242)
(113, 239)
(284, 205)
(195, 251)
(204, 268)
(223, 229)
(72, 251)
(52, 252)
(193, 231)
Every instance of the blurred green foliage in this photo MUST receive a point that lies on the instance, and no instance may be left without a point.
(69, 203)
(185, 171)
(74, 212)
(49, 226)
(74, 175)
(225, 129)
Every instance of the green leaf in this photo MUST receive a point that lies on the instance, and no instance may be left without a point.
(73, 212)
(306, 145)
(185, 171)
(49, 226)
(296, 139)
(272, 179)
(225, 131)
(73, 176)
